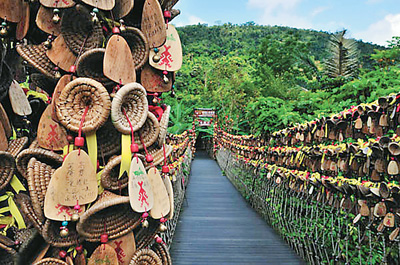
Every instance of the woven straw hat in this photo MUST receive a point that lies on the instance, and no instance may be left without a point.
(158, 154)
(42, 81)
(5, 80)
(79, 32)
(73, 100)
(139, 45)
(145, 236)
(163, 253)
(45, 156)
(90, 64)
(145, 257)
(24, 204)
(51, 233)
(50, 261)
(36, 56)
(7, 254)
(39, 175)
(110, 214)
(7, 168)
(131, 98)
(108, 140)
(17, 145)
(164, 126)
(149, 131)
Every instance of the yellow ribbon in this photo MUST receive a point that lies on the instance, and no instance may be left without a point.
(91, 141)
(17, 185)
(101, 189)
(126, 154)
(13, 209)
(37, 95)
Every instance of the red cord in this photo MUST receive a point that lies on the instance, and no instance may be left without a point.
(165, 156)
(130, 125)
(81, 125)
(145, 149)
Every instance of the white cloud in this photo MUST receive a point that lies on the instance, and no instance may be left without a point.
(319, 10)
(279, 12)
(189, 20)
(382, 31)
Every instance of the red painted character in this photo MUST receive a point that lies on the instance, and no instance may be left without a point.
(120, 252)
(166, 57)
(142, 194)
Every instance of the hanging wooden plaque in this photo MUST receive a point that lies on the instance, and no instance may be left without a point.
(57, 3)
(103, 254)
(118, 64)
(51, 135)
(60, 54)
(19, 101)
(64, 80)
(153, 24)
(139, 187)
(161, 205)
(5, 122)
(389, 220)
(23, 24)
(52, 209)
(170, 54)
(79, 182)
(101, 4)
(125, 247)
(170, 191)
(122, 8)
(153, 80)
(69, 260)
(44, 21)
(3, 139)
(11, 10)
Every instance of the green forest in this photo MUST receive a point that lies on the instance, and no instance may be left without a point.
(264, 78)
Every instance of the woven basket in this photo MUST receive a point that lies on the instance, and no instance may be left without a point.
(79, 32)
(5, 81)
(24, 204)
(17, 145)
(145, 257)
(39, 175)
(164, 126)
(7, 168)
(145, 236)
(73, 100)
(158, 154)
(50, 261)
(110, 214)
(36, 56)
(43, 82)
(45, 156)
(138, 44)
(51, 234)
(90, 64)
(149, 131)
(131, 98)
(162, 251)
(109, 177)
(108, 140)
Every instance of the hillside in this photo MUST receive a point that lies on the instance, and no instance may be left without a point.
(216, 41)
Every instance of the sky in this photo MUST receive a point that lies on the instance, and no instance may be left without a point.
(373, 21)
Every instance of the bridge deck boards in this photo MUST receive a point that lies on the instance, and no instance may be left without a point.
(218, 227)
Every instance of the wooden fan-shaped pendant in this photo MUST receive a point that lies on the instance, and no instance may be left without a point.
(52, 209)
(103, 254)
(51, 135)
(125, 247)
(140, 191)
(364, 210)
(11, 10)
(101, 4)
(380, 209)
(170, 191)
(118, 64)
(19, 101)
(57, 3)
(3, 139)
(153, 80)
(161, 206)
(44, 21)
(358, 124)
(340, 137)
(389, 220)
(5, 122)
(357, 218)
(393, 168)
(170, 54)
(79, 182)
(153, 25)
(383, 120)
(23, 24)
(394, 234)
(122, 8)
(60, 54)
(62, 82)
(380, 165)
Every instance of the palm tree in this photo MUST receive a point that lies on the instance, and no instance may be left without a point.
(344, 57)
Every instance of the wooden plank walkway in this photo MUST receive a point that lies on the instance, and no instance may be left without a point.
(218, 227)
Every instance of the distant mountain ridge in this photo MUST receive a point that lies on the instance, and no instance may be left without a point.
(244, 39)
